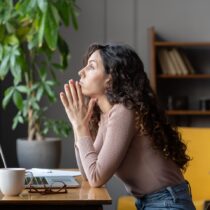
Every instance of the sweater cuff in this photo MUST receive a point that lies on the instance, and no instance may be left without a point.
(84, 142)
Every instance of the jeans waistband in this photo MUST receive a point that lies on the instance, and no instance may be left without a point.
(172, 190)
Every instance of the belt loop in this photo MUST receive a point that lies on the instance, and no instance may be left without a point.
(139, 204)
(172, 193)
(189, 188)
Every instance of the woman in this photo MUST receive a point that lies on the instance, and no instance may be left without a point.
(123, 132)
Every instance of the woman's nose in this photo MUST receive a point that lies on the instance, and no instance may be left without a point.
(81, 72)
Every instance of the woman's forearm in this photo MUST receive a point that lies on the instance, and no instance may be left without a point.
(79, 163)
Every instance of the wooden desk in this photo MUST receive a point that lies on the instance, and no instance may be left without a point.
(81, 198)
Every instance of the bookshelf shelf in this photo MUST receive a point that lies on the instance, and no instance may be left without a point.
(180, 70)
(190, 76)
(187, 112)
(181, 44)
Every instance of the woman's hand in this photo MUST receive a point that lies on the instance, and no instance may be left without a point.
(77, 111)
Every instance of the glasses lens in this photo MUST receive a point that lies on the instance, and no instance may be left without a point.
(58, 187)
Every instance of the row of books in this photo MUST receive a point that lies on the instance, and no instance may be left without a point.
(174, 62)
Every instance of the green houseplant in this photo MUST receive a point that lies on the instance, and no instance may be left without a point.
(30, 42)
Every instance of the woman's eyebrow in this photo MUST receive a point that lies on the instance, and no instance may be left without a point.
(92, 61)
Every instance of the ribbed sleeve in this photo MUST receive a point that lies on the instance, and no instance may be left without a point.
(79, 164)
(100, 166)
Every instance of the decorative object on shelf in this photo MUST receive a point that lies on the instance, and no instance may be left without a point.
(178, 103)
(204, 104)
(30, 47)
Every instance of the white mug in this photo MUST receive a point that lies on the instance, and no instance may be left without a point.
(12, 181)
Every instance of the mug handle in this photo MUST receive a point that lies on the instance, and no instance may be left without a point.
(31, 178)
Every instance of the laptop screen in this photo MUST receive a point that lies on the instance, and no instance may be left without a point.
(3, 162)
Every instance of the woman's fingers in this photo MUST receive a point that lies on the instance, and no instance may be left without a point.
(68, 94)
(90, 106)
(79, 93)
(64, 100)
(73, 92)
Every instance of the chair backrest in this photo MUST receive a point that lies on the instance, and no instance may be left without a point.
(198, 171)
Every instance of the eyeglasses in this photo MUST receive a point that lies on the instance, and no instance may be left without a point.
(58, 187)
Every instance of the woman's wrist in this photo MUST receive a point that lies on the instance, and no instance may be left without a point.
(82, 130)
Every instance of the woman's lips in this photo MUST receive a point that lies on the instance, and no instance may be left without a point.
(80, 82)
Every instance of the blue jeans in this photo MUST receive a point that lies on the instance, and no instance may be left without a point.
(174, 198)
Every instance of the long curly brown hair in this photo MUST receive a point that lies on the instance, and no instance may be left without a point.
(131, 87)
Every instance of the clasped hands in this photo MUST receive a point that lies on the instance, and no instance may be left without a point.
(73, 101)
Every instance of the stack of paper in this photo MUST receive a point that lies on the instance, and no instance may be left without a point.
(50, 172)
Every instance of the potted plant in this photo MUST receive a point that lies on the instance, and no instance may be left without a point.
(30, 42)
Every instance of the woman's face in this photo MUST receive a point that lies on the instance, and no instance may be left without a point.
(93, 79)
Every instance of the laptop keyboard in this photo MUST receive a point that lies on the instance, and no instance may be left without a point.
(52, 180)
(36, 180)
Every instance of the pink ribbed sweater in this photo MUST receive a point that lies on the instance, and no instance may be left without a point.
(119, 150)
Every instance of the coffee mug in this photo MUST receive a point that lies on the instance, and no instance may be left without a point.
(12, 180)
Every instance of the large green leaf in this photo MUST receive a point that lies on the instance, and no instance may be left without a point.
(4, 67)
(7, 96)
(14, 53)
(42, 4)
(63, 9)
(16, 72)
(17, 99)
(64, 52)
(1, 52)
(50, 93)
(15, 67)
(39, 93)
(17, 119)
(41, 29)
(51, 29)
(22, 88)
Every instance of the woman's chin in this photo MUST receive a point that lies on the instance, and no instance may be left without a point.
(85, 93)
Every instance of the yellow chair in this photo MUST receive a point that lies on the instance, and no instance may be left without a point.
(198, 171)
(126, 202)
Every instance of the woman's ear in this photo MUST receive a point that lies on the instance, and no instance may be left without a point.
(108, 81)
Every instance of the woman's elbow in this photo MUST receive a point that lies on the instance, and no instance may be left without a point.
(95, 184)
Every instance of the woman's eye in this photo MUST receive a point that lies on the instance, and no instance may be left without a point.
(90, 67)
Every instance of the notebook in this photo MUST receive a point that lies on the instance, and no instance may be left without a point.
(46, 181)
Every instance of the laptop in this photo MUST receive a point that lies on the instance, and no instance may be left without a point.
(46, 181)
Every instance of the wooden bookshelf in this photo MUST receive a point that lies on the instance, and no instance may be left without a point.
(168, 84)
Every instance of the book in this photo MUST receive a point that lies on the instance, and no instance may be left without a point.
(166, 62)
(162, 61)
(190, 68)
(175, 63)
(180, 62)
